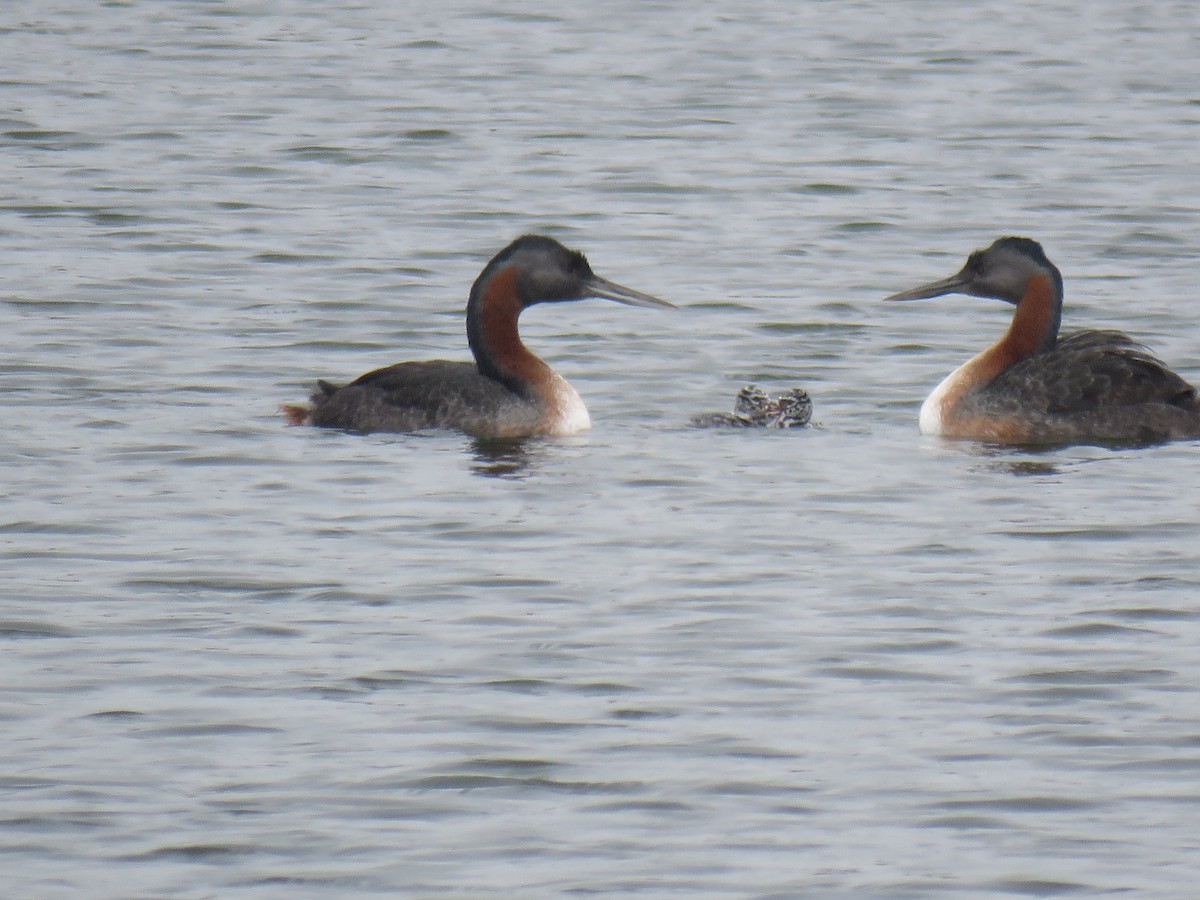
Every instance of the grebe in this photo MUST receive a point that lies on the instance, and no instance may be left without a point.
(507, 391)
(754, 408)
(1032, 388)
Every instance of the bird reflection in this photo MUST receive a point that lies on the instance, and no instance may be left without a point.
(504, 458)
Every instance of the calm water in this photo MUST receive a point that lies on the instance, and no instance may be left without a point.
(241, 660)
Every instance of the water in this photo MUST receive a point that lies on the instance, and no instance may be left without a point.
(242, 660)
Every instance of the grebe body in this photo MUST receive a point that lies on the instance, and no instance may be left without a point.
(755, 408)
(1032, 388)
(508, 391)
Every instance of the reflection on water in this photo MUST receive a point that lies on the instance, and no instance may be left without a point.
(506, 457)
(1038, 459)
(1026, 467)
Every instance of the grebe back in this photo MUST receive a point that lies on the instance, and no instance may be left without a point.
(1032, 388)
(507, 391)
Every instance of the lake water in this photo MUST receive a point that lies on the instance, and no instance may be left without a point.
(243, 660)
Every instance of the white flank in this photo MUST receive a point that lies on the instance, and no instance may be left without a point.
(932, 420)
(570, 416)
(947, 394)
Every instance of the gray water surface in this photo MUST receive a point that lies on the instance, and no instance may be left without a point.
(243, 660)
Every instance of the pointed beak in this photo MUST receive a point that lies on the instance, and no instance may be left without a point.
(610, 290)
(955, 284)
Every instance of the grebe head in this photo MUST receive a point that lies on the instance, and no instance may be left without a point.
(532, 269)
(547, 272)
(1002, 271)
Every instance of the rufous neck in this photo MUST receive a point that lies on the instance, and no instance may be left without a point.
(492, 314)
(1034, 327)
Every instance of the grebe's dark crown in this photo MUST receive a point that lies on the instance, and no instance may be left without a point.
(1028, 248)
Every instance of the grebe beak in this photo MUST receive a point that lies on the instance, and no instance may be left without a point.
(955, 284)
(610, 290)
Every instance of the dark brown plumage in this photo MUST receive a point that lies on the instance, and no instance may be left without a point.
(1030, 387)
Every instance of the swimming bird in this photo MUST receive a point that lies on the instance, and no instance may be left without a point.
(754, 408)
(508, 391)
(1030, 387)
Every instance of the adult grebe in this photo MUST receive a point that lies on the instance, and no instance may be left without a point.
(507, 391)
(1031, 388)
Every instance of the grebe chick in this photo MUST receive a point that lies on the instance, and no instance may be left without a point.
(508, 391)
(1098, 387)
(754, 408)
